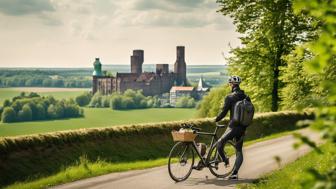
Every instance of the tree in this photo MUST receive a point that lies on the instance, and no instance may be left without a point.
(17, 105)
(115, 102)
(33, 94)
(185, 102)
(40, 112)
(6, 103)
(51, 112)
(71, 110)
(127, 103)
(323, 64)
(25, 114)
(191, 103)
(8, 115)
(301, 88)
(212, 103)
(83, 99)
(270, 30)
(96, 100)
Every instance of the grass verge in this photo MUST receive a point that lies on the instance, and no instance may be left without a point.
(86, 168)
(293, 174)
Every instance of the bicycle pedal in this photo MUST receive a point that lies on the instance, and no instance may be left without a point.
(198, 167)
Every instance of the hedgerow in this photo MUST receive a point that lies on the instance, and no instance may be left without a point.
(29, 157)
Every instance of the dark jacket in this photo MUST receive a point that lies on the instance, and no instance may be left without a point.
(230, 101)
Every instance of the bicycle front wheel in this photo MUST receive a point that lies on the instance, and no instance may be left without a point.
(216, 165)
(181, 161)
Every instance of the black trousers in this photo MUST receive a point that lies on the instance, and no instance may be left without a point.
(233, 133)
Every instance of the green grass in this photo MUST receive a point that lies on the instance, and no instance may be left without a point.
(9, 93)
(86, 169)
(292, 175)
(98, 117)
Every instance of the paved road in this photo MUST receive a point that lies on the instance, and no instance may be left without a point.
(259, 159)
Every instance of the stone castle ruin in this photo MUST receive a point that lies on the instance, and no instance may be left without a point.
(151, 83)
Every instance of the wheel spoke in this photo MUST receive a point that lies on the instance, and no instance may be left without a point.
(217, 166)
(181, 160)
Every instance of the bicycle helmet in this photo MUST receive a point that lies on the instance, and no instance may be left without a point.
(234, 80)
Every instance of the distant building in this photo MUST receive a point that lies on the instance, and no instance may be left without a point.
(149, 82)
(202, 88)
(177, 92)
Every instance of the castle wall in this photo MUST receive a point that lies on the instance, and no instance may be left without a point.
(157, 85)
(162, 68)
(150, 83)
(105, 85)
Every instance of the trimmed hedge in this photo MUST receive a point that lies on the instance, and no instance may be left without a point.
(29, 157)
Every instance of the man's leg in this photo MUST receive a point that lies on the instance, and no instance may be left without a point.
(228, 135)
(239, 155)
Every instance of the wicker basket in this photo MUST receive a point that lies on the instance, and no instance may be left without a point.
(183, 136)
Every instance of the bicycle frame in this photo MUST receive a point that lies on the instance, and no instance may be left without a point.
(214, 142)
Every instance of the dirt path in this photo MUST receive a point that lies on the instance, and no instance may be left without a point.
(258, 160)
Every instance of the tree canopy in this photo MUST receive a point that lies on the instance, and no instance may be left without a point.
(270, 31)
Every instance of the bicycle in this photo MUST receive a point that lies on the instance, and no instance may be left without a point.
(182, 155)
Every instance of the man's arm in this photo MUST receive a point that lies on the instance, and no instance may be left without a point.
(226, 108)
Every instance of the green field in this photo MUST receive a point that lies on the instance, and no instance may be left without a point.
(98, 117)
(58, 93)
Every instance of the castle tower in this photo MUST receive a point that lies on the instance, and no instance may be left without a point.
(180, 67)
(137, 60)
(162, 68)
(97, 72)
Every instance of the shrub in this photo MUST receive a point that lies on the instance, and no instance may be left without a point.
(17, 106)
(185, 102)
(116, 102)
(127, 103)
(71, 110)
(59, 109)
(8, 115)
(40, 108)
(105, 101)
(6, 103)
(33, 94)
(83, 99)
(51, 112)
(129, 100)
(25, 114)
(40, 112)
(191, 103)
(96, 100)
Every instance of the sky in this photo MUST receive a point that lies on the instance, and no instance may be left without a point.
(71, 33)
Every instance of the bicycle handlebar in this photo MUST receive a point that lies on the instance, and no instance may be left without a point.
(185, 126)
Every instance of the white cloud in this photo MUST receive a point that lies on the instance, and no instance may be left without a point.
(71, 32)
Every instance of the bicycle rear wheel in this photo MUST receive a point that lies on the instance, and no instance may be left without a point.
(181, 161)
(216, 165)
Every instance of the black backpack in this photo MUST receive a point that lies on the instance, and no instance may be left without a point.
(243, 112)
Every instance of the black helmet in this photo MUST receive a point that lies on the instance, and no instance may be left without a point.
(234, 80)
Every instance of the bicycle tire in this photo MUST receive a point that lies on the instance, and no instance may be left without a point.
(216, 163)
(186, 150)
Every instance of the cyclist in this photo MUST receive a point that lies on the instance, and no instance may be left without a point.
(234, 130)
